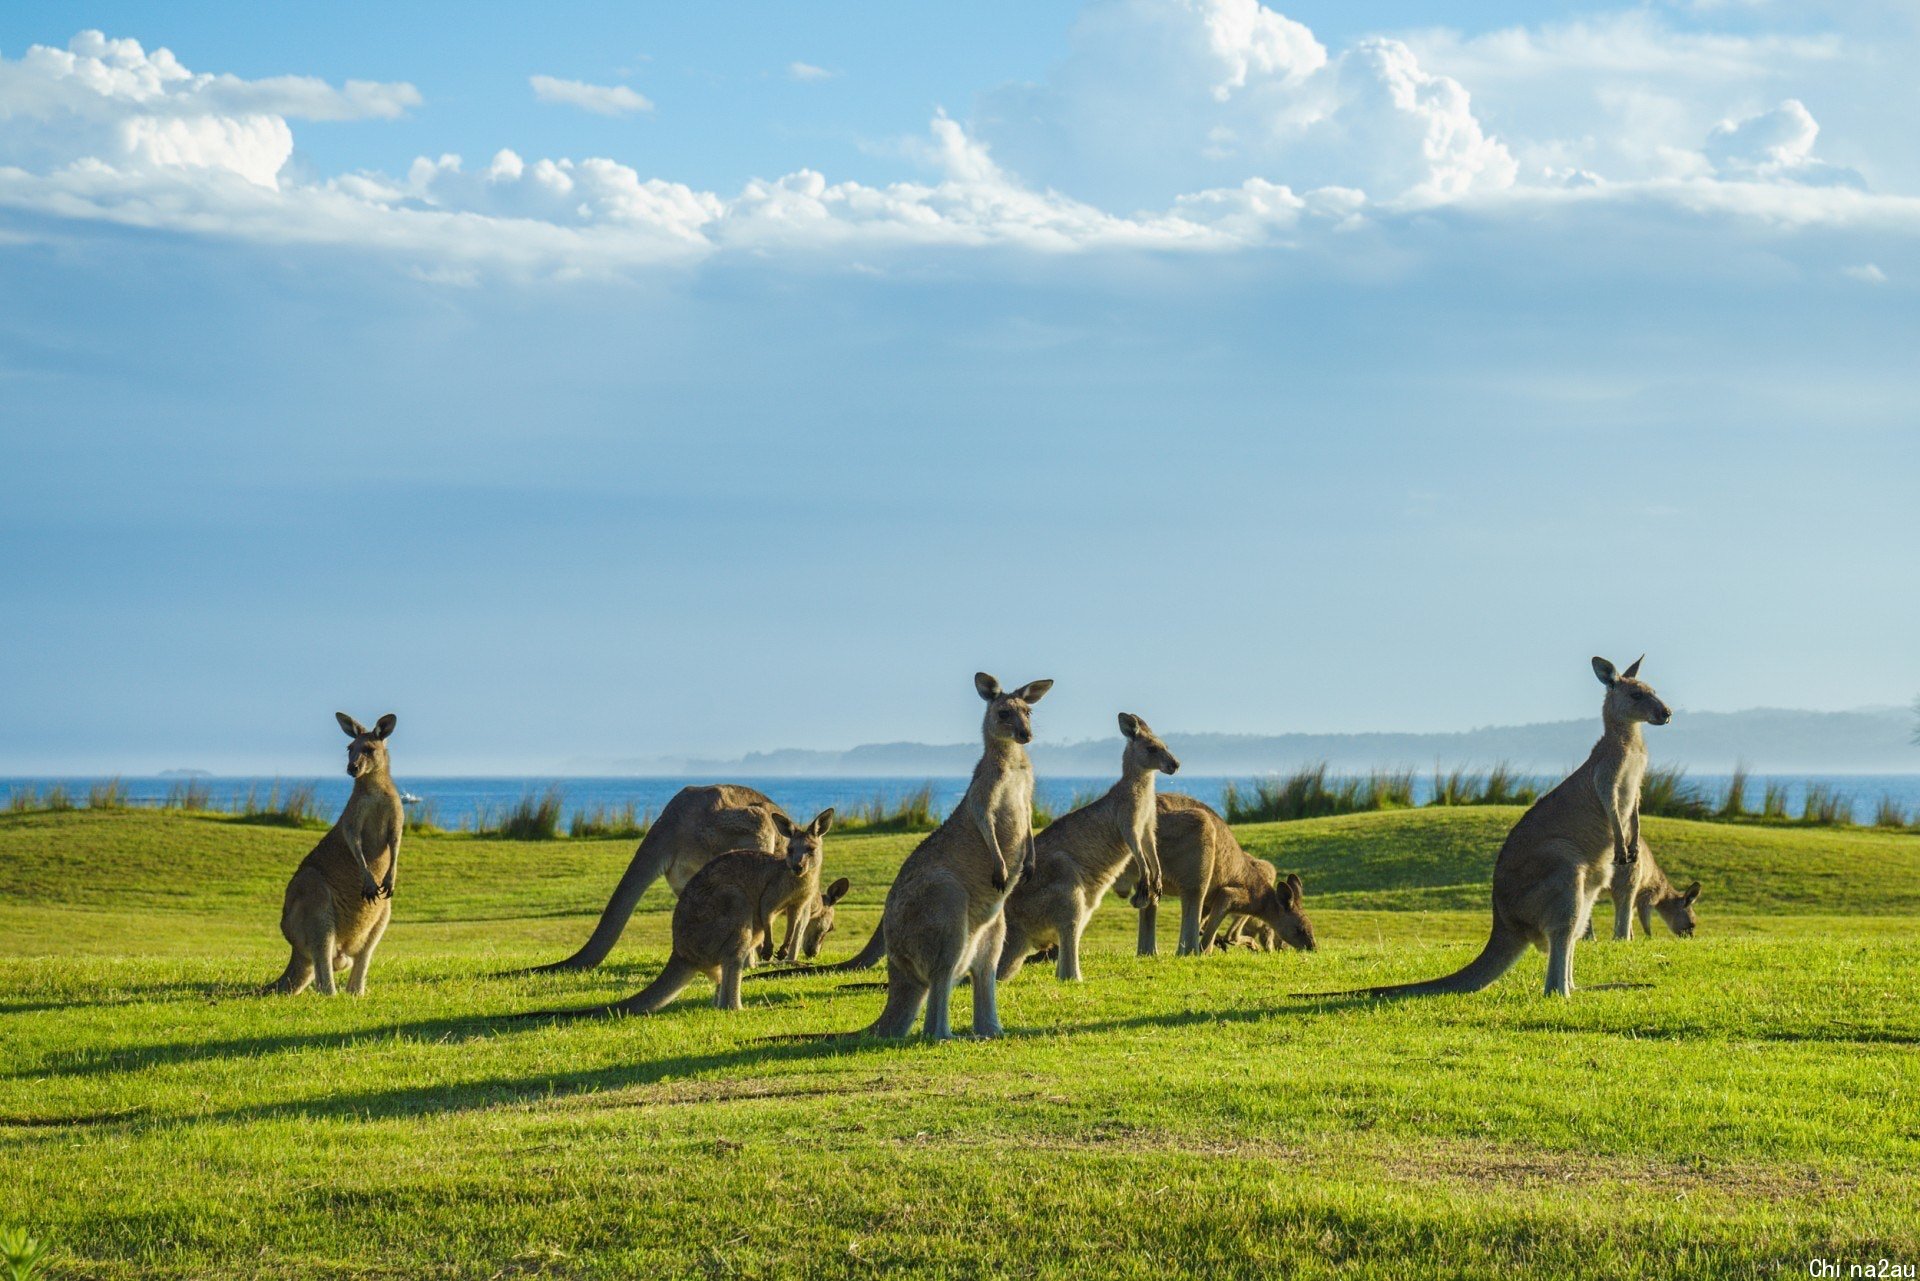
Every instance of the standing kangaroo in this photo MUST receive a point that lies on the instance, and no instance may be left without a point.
(942, 917)
(725, 911)
(335, 910)
(1642, 889)
(1566, 849)
(1079, 854)
(1202, 862)
(699, 824)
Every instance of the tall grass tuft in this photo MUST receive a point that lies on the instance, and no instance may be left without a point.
(193, 796)
(1310, 792)
(1456, 787)
(610, 821)
(534, 817)
(422, 818)
(294, 805)
(22, 799)
(1774, 803)
(1506, 787)
(1734, 803)
(1666, 792)
(107, 794)
(21, 1254)
(907, 812)
(1825, 807)
(57, 797)
(1890, 813)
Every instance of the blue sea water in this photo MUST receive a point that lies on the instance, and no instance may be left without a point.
(459, 802)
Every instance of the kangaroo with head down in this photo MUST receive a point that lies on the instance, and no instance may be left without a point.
(1641, 889)
(1566, 849)
(341, 896)
(820, 919)
(725, 911)
(1078, 855)
(942, 917)
(698, 825)
(1202, 862)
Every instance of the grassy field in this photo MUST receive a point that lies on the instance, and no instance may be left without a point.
(1757, 1106)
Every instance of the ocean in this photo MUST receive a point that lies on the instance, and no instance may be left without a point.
(459, 802)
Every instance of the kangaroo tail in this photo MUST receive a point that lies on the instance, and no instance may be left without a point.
(651, 999)
(904, 999)
(868, 957)
(1504, 947)
(649, 861)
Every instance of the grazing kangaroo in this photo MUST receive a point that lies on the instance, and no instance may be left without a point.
(1566, 849)
(942, 916)
(1642, 889)
(1202, 862)
(335, 910)
(724, 912)
(820, 921)
(1249, 932)
(699, 824)
(1080, 853)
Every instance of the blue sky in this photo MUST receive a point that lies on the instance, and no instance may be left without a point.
(756, 375)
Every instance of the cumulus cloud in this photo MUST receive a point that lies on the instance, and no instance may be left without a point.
(110, 102)
(807, 73)
(601, 100)
(1173, 126)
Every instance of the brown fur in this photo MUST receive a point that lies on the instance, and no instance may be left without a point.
(1563, 852)
(1078, 855)
(942, 917)
(1249, 932)
(726, 910)
(341, 896)
(1202, 863)
(698, 825)
(820, 920)
(1641, 889)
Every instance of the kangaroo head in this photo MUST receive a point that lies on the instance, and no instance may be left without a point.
(1145, 751)
(821, 923)
(367, 753)
(1630, 699)
(803, 843)
(1009, 712)
(1279, 906)
(1676, 909)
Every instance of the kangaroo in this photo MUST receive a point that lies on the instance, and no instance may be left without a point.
(1643, 889)
(724, 912)
(1566, 848)
(699, 824)
(1202, 862)
(942, 916)
(1080, 853)
(336, 910)
(820, 921)
(1251, 933)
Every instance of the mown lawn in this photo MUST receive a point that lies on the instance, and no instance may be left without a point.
(1758, 1105)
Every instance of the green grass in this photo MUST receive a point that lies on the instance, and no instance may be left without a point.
(1753, 1108)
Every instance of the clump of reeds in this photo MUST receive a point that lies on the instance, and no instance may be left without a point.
(106, 794)
(1310, 792)
(1890, 813)
(283, 805)
(1734, 803)
(534, 817)
(1506, 787)
(56, 797)
(1665, 792)
(1501, 785)
(22, 799)
(1825, 807)
(193, 796)
(911, 811)
(610, 821)
(422, 817)
(1774, 803)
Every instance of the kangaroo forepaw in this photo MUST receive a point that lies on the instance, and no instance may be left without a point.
(386, 888)
(1000, 877)
(370, 892)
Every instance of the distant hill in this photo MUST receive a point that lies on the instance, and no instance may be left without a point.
(1770, 741)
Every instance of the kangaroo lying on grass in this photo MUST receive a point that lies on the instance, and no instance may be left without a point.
(1079, 854)
(1642, 889)
(724, 912)
(335, 910)
(699, 824)
(1564, 850)
(942, 917)
(1202, 862)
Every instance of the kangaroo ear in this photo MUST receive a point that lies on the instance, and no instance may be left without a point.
(1130, 725)
(1604, 670)
(822, 822)
(1692, 893)
(385, 725)
(988, 686)
(1033, 691)
(1295, 890)
(836, 891)
(1633, 669)
(782, 824)
(354, 728)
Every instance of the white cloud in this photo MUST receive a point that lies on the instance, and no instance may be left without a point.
(1866, 273)
(1774, 145)
(601, 100)
(807, 73)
